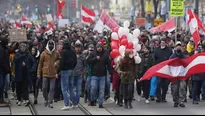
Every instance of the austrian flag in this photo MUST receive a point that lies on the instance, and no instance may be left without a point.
(87, 15)
(177, 68)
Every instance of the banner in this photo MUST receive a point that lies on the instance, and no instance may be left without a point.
(18, 35)
(167, 26)
(63, 22)
(105, 21)
(140, 21)
(177, 8)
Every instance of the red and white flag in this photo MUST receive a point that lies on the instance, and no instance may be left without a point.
(167, 26)
(26, 22)
(190, 14)
(105, 21)
(177, 69)
(87, 16)
(17, 25)
(194, 26)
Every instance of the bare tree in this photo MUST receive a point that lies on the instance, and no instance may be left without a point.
(156, 4)
(142, 8)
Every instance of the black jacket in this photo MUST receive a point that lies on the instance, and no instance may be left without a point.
(68, 59)
(31, 65)
(161, 55)
(4, 61)
(99, 67)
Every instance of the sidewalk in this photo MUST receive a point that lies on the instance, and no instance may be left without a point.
(42, 110)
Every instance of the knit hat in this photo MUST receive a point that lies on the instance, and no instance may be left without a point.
(99, 45)
(91, 46)
(22, 45)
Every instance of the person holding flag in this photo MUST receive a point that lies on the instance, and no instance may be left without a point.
(178, 87)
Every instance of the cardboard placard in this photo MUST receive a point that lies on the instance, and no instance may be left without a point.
(18, 35)
(63, 22)
(140, 21)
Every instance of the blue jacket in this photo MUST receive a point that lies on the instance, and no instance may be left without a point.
(19, 58)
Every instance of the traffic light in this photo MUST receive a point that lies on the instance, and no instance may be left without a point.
(48, 9)
(36, 9)
(18, 7)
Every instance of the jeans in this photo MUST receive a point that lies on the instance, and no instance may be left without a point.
(2, 83)
(107, 86)
(197, 88)
(49, 96)
(162, 88)
(7, 81)
(58, 93)
(97, 83)
(66, 86)
(77, 82)
(88, 87)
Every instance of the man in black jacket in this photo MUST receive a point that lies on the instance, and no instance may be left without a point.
(4, 66)
(161, 54)
(67, 64)
(100, 63)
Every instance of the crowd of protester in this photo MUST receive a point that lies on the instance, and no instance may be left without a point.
(73, 62)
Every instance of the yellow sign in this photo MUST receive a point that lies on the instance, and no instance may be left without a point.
(149, 7)
(177, 8)
(158, 22)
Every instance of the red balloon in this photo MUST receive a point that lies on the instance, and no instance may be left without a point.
(124, 42)
(116, 29)
(114, 45)
(130, 45)
(115, 53)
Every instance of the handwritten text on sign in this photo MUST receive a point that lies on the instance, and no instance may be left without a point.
(108, 21)
(177, 8)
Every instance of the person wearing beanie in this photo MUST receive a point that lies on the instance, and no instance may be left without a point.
(67, 64)
(24, 64)
(78, 73)
(90, 50)
(100, 64)
(178, 87)
(48, 68)
(4, 67)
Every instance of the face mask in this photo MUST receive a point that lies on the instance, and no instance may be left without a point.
(162, 47)
(179, 51)
(51, 47)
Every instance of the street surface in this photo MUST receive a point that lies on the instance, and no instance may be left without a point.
(139, 108)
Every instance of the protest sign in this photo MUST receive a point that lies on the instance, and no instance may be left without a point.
(177, 8)
(63, 22)
(17, 35)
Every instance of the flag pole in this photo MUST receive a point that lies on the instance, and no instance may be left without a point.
(176, 29)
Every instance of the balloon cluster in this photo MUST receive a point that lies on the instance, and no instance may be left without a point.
(123, 40)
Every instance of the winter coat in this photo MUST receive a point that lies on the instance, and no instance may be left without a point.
(99, 67)
(30, 63)
(48, 63)
(146, 63)
(81, 66)
(4, 61)
(161, 55)
(130, 75)
(68, 59)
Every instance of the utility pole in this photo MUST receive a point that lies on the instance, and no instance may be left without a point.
(196, 6)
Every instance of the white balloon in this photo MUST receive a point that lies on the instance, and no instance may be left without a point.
(130, 37)
(137, 47)
(138, 60)
(126, 24)
(120, 31)
(114, 36)
(117, 60)
(122, 50)
(136, 33)
(126, 31)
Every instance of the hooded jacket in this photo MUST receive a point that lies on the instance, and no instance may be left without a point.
(48, 62)
(99, 67)
(4, 57)
(68, 59)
